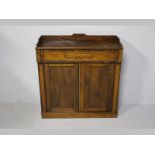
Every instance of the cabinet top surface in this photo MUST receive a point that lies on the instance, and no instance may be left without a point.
(79, 41)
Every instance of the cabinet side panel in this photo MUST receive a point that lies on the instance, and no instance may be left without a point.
(116, 88)
(47, 86)
(42, 87)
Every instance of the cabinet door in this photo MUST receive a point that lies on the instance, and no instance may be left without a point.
(61, 82)
(96, 87)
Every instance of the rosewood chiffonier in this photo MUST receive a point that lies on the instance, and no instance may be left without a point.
(79, 75)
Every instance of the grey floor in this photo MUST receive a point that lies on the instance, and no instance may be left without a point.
(27, 116)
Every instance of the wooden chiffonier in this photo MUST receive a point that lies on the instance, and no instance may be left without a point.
(79, 75)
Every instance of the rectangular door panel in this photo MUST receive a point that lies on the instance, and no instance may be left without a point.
(62, 87)
(96, 87)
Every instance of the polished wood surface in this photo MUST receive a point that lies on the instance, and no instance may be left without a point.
(62, 87)
(80, 115)
(79, 55)
(96, 87)
(78, 41)
(79, 75)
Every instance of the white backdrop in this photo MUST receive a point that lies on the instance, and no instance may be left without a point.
(18, 67)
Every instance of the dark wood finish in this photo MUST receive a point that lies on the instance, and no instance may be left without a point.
(79, 41)
(79, 75)
(116, 88)
(80, 115)
(62, 87)
(42, 87)
(79, 55)
(96, 87)
(41, 82)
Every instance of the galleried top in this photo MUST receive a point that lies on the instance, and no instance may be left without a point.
(79, 41)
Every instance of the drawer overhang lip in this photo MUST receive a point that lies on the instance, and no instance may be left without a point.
(79, 48)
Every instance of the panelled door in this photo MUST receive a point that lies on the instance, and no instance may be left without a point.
(61, 82)
(83, 87)
(96, 87)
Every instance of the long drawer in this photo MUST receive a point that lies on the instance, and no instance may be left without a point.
(79, 56)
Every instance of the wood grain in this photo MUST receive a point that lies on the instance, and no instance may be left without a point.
(62, 87)
(80, 115)
(79, 75)
(42, 87)
(78, 41)
(116, 89)
(79, 56)
(96, 84)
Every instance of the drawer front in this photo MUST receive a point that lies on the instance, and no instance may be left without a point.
(79, 56)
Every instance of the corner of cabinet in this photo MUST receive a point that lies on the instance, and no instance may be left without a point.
(39, 55)
(119, 58)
